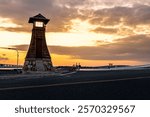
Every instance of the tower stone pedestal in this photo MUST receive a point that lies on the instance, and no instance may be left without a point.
(38, 57)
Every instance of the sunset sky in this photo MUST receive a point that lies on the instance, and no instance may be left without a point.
(89, 32)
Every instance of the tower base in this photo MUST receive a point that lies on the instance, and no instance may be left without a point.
(37, 65)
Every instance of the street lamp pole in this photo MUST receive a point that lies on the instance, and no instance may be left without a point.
(17, 55)
(16, 51)
(17, 58)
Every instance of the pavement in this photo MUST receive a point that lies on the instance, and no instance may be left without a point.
(118, 84)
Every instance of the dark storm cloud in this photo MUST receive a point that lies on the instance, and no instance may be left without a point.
(134, 48)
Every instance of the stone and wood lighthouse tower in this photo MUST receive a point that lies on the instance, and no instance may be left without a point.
(38, 57)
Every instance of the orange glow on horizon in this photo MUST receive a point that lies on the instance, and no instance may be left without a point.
(80, 34)
(60, 60)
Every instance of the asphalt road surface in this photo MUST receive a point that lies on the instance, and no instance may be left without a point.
(83, 85)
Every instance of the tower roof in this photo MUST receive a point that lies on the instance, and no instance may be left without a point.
(38, 17)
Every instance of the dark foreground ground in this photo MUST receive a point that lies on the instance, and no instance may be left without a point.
(101, 85)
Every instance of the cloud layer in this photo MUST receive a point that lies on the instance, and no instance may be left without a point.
(135, 48)
(117, 13)
(127, 18)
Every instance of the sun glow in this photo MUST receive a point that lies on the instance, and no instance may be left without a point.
(80, 34)
(79, 26)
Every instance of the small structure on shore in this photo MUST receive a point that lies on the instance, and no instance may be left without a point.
(38, 57)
